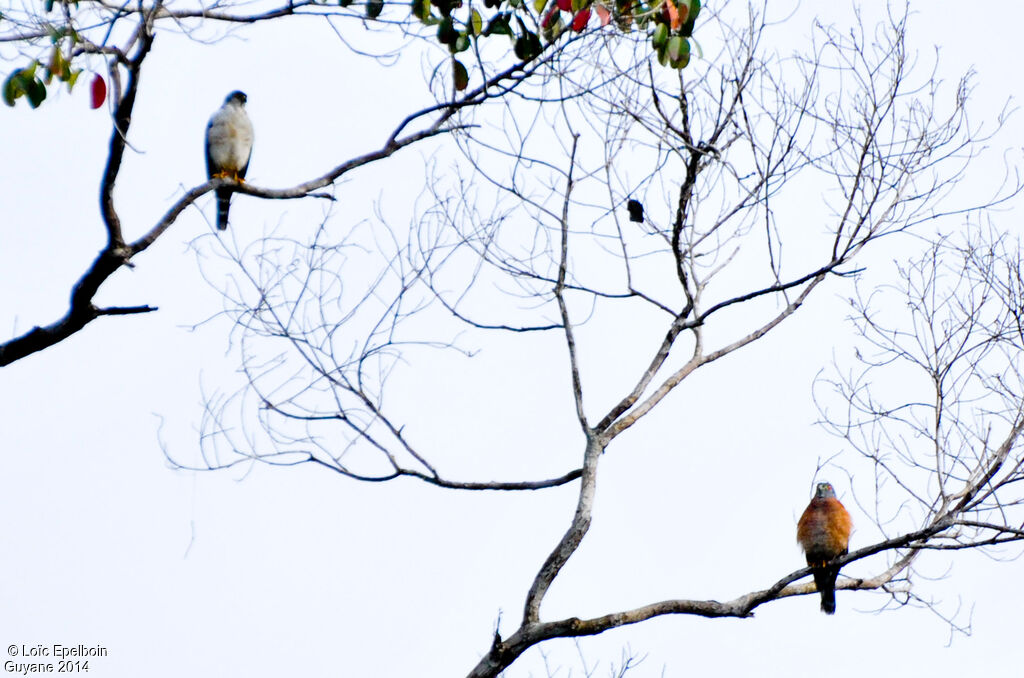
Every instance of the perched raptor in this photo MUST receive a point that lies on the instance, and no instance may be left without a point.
(824, 534)
(636, 210)
(228, 148)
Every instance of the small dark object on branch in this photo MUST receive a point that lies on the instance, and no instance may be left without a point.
(636, 210)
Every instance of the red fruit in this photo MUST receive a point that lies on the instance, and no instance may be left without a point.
(603, 14)
(97, 92)
(564, 5)
(549, 18)
(579, 22)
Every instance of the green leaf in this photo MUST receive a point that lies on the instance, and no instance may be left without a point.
(521, 48)
(624, 15)
(461, 43)
(64, 67)
(678, 51)
(36, 92)
(446, 7)
(58, 67)
(374, 8)
(528, 46)
(49, 5)
(660, 36)
(459, 75)
(12, 88)
(687, 28)
(344, 3)
(694, 45)
(539, 5)
(419, 8)
(643, 18)
(73, 78)
(476, 22)
(498, 25)
(446, 33)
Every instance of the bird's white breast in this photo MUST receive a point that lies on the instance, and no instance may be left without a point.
(230, 137)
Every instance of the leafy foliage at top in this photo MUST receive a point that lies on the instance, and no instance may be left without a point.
(530, 26)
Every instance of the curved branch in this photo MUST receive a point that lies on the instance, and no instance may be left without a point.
(296, 458)
(573, 537)
(698, 359)
(531, 632)
(119, 136)
(113, 257)
(496, 485)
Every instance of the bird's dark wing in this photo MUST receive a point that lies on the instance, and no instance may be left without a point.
(245, 167)
(210, 169)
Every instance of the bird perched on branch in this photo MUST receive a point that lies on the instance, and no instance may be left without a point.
(228, 149)
(636, 210)
(824, 534)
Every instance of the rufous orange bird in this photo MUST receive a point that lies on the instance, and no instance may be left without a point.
(824, 534)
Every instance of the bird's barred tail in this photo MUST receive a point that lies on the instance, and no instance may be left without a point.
(223, 203)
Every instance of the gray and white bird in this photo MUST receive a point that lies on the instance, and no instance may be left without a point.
(228, 149)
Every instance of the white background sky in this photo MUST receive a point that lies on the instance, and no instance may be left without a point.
(299, 572)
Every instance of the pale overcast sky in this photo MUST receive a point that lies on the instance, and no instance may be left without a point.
(296, 571)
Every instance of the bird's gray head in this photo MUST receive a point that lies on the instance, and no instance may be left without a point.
(824, 491)
(237, 97)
